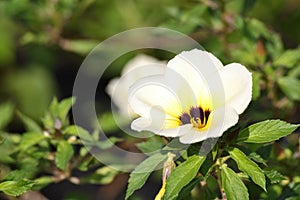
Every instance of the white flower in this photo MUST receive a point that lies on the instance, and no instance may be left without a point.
(139, 67)
(195, 99)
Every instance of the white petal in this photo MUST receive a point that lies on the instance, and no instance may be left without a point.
(193, 69)
(221, 119)
(137, 68)
(142, 60)
(157, 127)
(152, 93)
(237, 84)
(192, 136)
(112, 86)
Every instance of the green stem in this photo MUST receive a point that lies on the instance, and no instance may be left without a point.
(220, 162)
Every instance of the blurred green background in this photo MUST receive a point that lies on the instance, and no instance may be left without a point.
(43, 43)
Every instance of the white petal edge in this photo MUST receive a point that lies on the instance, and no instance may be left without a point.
(144, 124)
(237, 84)
(140, 61)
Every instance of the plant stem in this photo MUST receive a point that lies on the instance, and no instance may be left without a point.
(220, 162)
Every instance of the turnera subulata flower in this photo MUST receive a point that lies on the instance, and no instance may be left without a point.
(194, 99)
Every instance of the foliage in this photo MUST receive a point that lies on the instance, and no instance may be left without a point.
(43, 44)
(47, 153)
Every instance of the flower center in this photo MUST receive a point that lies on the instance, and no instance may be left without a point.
(196, 116)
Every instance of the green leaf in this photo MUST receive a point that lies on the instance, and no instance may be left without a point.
(4, 158)
(234, 187)
(82, 47)
(6, 110)
(16, 175)
(63, 155)
(111, 122)
(150, 146)
(186, 190)
(42, 182)
(141, 173)
(289, 58)
(54, 106)
(290, 86)
(103, 175)
(29, 123)
(257, 28)
(29, 139)
(108, 143)
(249, 167)
(71, 130)
(294, 72)
(182, 175)
(16, 188)
(274, 176)
(256, 85)
(257, 158)
(82, 133)
(266, 131)
(64, 107)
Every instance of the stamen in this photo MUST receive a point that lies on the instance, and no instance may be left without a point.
(185, 118)
(197, 112)
(196, 116)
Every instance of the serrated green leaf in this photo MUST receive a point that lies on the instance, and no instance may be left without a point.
(16, 188)
(64, 154)
(6, 111)
(234, 187)
(16, 175)
(64, 107)
(29, 123)
(274, 176)
(29, 139)
(249, 167)
(289, 58)
(150, 146)
(257, 158)
(290, 86)
(182, 175)
(141, 173)
(266, 131)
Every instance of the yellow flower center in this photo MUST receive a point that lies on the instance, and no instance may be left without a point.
(196, 116)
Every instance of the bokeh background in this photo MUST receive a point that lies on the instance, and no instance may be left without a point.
(43, 43)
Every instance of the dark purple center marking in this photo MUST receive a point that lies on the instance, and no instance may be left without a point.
(196, 116)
